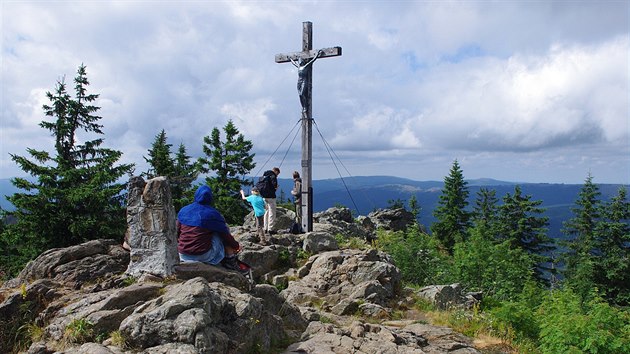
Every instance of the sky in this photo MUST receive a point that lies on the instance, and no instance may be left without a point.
(521, 91)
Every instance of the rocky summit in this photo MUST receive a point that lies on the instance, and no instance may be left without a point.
(305, 294)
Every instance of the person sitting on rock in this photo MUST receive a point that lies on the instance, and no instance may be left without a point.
(203, 235)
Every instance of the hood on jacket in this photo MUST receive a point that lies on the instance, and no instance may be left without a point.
(200, 213)
(203, 195)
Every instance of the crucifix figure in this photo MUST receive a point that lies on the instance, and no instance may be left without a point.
(303, 61)
(302, 84)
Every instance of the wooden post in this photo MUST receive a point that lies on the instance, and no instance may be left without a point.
(303, 61)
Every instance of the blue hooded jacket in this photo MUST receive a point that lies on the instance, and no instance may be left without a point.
(201, 214)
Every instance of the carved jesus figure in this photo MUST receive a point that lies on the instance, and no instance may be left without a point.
(302, 87)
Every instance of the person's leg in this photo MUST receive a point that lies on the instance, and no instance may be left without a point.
(213, 256)
(230, 261)
(266, 216)
(259, 229)
(298, 213)
(272, 215)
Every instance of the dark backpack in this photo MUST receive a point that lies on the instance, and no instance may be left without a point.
(296, 229)
(265, 187)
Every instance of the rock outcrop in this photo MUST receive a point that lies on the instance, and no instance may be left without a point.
(212, 317)
(310, 296)
(320, 311)
(451, 296)
(391, 219)
(339, 221)
(342, 281)
(74, 266)
(398, 337)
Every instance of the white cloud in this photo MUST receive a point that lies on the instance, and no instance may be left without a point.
(532, 102)
(383, 128)
(251, 118)
(418, 84)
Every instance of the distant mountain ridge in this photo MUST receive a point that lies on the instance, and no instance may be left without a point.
(363, 194)
(369, 193)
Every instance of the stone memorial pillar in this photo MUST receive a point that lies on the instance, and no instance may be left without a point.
(151, 232)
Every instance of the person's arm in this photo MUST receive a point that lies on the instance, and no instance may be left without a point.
(224, 232)
(319, 52)
(229, 240)
(243, 195)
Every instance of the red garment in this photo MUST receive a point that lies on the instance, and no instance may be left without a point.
(195, 240)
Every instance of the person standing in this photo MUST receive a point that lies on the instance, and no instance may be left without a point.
(297, 194)
(203, 235)
(258, 203)
(268, 187)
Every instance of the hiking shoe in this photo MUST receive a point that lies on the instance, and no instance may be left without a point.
(232, 263)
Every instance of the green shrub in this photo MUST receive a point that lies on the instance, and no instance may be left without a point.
(567, 325)
(119, 339)
(79, 331)
(284, 258)
(280, 286)
(352, 242)
(470, 323)
(129, 281)
(514, 321)
(495, 269)
(303, 256)
(517, 320)
(16, 332)
(417, 255)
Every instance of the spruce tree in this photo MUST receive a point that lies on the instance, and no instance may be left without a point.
(581, 244)
(414, 207)
(160, 161)
(179, 171)
(581, 228)
(612, 265)
(485, 212)
(76, 196)
(185, 173)
(231, 160)
(452, 218)
(396, 204)
(521, 226)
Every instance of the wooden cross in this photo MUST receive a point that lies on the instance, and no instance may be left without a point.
(304, 61)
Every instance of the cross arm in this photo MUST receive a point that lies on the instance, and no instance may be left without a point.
(326, 52)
